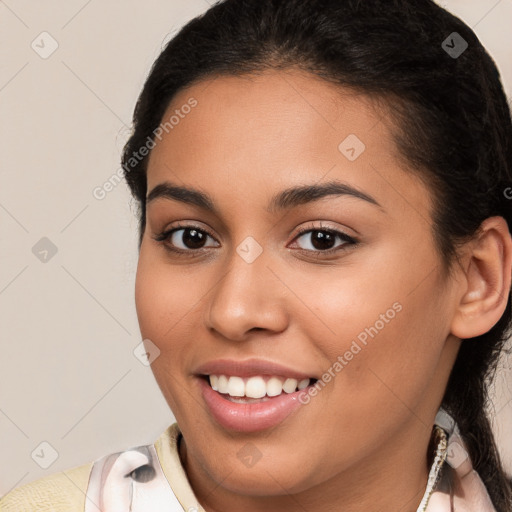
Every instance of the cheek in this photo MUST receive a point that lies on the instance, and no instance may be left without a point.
(386, 368)
(159, 308)
(163, 297)
(387, 330)
(167, 301)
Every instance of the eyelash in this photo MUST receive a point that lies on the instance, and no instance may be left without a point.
(164, 236)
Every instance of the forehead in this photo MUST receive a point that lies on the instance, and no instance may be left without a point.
(254, 134)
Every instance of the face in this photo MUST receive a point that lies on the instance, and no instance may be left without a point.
(262, 287)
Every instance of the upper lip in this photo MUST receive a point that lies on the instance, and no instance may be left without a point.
(249, 368)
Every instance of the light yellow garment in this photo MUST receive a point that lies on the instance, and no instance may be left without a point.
(65, 492)
(62, 492)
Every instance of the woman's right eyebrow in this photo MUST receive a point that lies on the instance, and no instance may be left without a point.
(284, 200)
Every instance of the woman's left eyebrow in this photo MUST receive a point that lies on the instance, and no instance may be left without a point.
(284, 200)
(302, 194)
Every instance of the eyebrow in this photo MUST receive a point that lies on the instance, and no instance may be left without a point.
(284, 200)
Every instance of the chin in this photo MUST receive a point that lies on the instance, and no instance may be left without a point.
(263, 480)
(256, 468)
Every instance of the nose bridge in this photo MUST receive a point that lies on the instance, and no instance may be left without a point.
(248, 294)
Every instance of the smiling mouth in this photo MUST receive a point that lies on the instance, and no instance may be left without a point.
(255, 389)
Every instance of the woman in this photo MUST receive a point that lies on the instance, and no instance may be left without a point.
(325, 265)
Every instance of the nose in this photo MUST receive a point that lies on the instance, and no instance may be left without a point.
(249, 297)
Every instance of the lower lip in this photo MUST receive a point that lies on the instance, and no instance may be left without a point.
(249, 417)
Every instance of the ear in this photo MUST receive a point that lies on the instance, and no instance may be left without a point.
(486, 280)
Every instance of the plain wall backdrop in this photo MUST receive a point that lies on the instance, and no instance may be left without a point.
(70, 73)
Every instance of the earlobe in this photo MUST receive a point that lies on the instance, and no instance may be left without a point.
(487, 280)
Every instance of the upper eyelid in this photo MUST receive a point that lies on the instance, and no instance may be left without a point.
(301, 230)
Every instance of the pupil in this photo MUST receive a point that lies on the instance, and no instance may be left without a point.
(321, 239)
(190, 241)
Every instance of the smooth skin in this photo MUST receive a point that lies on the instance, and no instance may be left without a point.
(362, 441)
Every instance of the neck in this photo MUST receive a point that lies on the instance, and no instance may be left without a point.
(393, 478)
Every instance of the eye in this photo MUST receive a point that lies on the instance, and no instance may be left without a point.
(184, 238)
(142, 474)
(322, 240)
(189, 240)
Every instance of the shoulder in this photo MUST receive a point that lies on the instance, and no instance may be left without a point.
(61, 492)
(148, 475)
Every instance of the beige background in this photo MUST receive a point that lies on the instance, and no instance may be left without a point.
(68, 375)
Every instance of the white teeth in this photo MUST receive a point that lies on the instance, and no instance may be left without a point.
(255, 387)
(274, 386)
(303, 384)
(290, 385)
(222, 384)
(236, 386)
